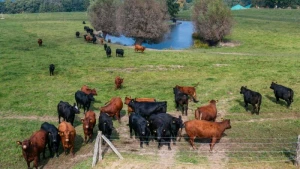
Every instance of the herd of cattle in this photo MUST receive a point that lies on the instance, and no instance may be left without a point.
(148, 118)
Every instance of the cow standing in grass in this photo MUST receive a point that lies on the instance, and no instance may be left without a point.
(252, 97)
(282, 92)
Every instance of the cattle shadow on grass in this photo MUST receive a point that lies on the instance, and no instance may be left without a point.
(198, 141)
(242, 103)
(273, 99)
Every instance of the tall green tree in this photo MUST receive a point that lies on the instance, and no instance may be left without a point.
(212, 20)
(102, 15)
(144, 20)
(173, 7)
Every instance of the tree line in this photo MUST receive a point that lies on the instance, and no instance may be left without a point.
(36, 6)
(265, 3)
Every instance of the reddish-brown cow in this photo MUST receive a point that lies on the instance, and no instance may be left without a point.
(128, 99)
(207, 112)
(189, 90)
(139, 48)
(206, 129)
(88, 38)
(88, 90)
(40, 42)
(32, 147)
(67, 134)
(113, 108)
(88, 124)
(118, 82)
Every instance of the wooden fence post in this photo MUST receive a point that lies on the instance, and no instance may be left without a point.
(100, 147)
(297, 160)
(112, 147)
(96, 148)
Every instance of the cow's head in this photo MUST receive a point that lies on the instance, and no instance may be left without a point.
(65, 135)
(55, 139)
(25, 144)
(88, 123)
(273, 84)
(243, 89)
(143, 125)
(227, 123)
(127, 99)
(75, 109)
(213, 101)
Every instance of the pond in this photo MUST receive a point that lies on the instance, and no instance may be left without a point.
(180, 37)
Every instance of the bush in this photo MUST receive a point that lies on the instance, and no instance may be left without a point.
(200, 44)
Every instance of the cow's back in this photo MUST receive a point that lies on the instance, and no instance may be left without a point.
(201, 128)
(39, 139)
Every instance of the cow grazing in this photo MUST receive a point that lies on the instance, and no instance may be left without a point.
(207, 112)
(40, 42)
(51, 69)
(282, 92)
(160, 127)
(119, 52)
(251, 97)
(105, 125)
(32, 147)
(113, 108)
(88, 38)
(53, 138)
(139, 48)
(145, 109)
(128, 99)
(118, 82)
(105, 46)
(108, 51)
(140, 127)
(77, 34)
(206, 129)
(88, 90)
(67, 134)
(66, 111)
(182, 100)
(88, 124)
(84, 100)
(189, 90)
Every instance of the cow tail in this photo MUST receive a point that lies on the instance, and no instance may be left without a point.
(180, 133)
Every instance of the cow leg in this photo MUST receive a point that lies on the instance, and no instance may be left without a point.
(72, 151)
(192, 142)
(141, 141)
(213, 142)
(35, 162)
(28, 164)
(130, 129)
(186, 109)
(119, 116)
(277, 99)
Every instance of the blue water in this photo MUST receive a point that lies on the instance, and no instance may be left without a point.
(180, 37)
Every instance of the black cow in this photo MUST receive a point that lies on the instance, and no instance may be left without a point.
(51, 69)
(252, 97)
(53, 138)
(160, 127)
(105, 125)
(119, 52)
(105, 46)
(83, 22)
(84, 100)
(67, 112)
(140, 127)
(182, 100)
(86, 28)
(77, 34)
(108, 51)
(283, 92)
(145, 109)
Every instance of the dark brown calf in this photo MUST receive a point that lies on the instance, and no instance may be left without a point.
(118, 82)
(32, 147)
(189, 90)
(40, 42)
(88, 124)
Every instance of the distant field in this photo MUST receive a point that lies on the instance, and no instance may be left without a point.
(267, 45)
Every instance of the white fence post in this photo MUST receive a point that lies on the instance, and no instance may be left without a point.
(297, 160)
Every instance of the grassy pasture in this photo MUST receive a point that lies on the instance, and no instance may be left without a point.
(268, 50)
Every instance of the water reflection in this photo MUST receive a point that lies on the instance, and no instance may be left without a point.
(180, 37)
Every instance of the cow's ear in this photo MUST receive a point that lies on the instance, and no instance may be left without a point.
(19, 143)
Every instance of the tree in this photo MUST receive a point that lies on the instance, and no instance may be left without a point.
(173, 7)
(144, 20)
(212, 20)
(102, 14)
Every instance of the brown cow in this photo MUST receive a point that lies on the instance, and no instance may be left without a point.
(207, 112)
(40, 42)
(32, 147)
(113, 108)
(128, 99)
(189, 90)
(206, 129)
(88, 124)
(87, 90)
(139, 48)
(67, 134)
(118, 82)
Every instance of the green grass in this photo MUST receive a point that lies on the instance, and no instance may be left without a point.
(268, 51)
